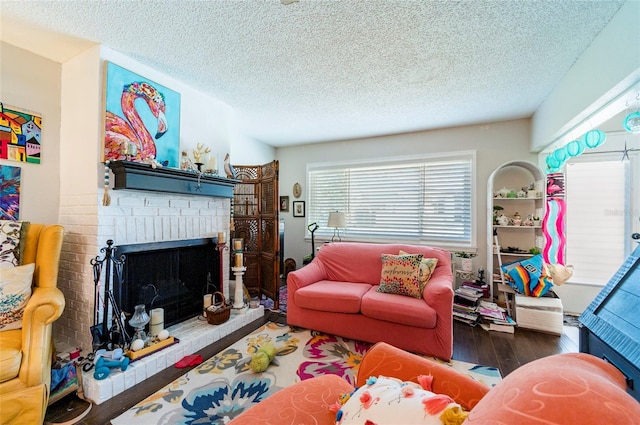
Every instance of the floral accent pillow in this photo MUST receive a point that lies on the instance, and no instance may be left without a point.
(15, 291)
(10, 233)
(385, 401)
(427, 266)
(400, 275)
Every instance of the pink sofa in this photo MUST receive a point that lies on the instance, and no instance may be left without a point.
(336, 294)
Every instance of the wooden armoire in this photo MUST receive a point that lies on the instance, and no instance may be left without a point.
(255, 219)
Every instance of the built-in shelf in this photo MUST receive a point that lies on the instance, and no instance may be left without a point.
(515, 254)
(516, 227)
(517, 199)
(136, 176)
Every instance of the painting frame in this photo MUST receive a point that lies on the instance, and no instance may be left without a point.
(298, 208)
(20, 134)
(284, 204)
(10, 177)
(150, 125)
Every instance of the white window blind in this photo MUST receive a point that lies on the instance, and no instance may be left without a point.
(420, 200)
(596, 219)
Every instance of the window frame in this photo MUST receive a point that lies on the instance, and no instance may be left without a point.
(631, 201)
(324, 233)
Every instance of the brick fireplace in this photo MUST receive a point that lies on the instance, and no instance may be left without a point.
(133, 217)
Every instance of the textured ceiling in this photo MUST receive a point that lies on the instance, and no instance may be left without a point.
(319, 70)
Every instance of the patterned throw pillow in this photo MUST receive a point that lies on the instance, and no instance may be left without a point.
(15, 291)
(528, 277)
(427, 266)
(10, 232)
(400, 275)
(385, 400)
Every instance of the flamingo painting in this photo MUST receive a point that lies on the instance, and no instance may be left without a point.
(136, 109)
(121, 134)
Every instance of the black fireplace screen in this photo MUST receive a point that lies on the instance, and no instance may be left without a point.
(171, 275)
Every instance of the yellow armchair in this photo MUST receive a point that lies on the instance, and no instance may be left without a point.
(26, 354)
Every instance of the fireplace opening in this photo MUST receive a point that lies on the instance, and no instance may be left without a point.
(173, 275)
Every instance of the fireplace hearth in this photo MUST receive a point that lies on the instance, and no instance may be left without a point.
(173, 275)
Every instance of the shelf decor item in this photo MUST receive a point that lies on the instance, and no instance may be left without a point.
(238, 269)
(466, 260)
(138, 321)
(218, 312)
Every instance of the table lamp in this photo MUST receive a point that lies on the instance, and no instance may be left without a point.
(337, 220)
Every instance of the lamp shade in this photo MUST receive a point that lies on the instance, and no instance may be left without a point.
(337, 220)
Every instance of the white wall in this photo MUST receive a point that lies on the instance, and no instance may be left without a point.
(32, 82)
(596, 87)
(608, 66)
(131, 216)
(247, 151)
(203, 119)
(67, 188)
(495, 143)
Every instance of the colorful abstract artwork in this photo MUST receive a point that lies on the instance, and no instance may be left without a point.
(553, 224)
(20, 134)
(142, 119)
(10, 192)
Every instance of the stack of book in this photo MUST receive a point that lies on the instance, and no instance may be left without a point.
(494, 318)
(465, 304)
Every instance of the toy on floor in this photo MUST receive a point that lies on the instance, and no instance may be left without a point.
(262, 358)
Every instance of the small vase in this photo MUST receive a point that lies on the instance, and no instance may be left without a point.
(467, 264)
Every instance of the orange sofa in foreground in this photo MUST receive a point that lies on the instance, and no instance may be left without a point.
(563, 389)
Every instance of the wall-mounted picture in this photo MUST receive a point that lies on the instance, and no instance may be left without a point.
(142, 119)
(20, 134)
(298, 208)
(10, 193)
(284, 203)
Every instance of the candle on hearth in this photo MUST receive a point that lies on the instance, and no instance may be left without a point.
(221, 237)
(157, 321)
(237, 244)
(238, 260)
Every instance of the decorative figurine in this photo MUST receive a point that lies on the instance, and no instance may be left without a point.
(185, 162)
(198, 152)
(228, 168)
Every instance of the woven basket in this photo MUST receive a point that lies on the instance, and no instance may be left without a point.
(217, 312)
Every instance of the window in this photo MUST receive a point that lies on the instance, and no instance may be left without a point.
(425, 200)
(597, 218)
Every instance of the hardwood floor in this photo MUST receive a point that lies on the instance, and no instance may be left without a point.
(505, 351)
(474, 345)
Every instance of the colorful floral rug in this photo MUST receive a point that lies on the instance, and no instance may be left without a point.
(223, 386)
(268, 302)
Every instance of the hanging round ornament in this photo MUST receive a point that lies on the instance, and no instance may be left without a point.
(552, 163)
(560, 154)
(575, 148)
(594, 138)
(631, 122)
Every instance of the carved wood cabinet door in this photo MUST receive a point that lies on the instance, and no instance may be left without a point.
(256, 218)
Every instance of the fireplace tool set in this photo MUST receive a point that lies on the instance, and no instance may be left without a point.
(112, 345)
(109, 336)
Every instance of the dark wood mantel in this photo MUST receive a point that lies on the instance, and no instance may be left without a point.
(133, 175)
